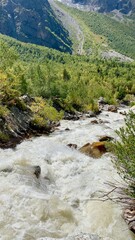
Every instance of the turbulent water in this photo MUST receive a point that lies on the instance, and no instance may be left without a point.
(66, 200)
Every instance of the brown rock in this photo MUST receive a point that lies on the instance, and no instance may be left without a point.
(95, 150)
(112, 108)
(98, 149)
(94, 121)
(86, 149)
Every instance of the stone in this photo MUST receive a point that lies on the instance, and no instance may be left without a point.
(67, 129)
(98, 149)
(105, 138)
(112, 108)
(72, 145)
(37, 171)
(94, 121)
(90, 114)
(95, 150)
(101, 100)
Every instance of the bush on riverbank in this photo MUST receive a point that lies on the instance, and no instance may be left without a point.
(124, 149)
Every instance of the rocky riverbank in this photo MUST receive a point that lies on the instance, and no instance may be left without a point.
(22, 119)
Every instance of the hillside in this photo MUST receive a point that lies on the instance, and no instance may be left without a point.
(33, 21)
(124, 7)
(103, 32)
(75, 80)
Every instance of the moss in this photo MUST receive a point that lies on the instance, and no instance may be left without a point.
(4, 111)
(43, 113)
(4, 137)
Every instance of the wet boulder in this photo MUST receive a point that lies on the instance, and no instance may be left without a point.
(94, 121)
(90, 114)
(105, 138)
(95, 150)
(67, 129)
(112, 108)
(71, 116)
(98, 149)
(72, 145)
(37, 171)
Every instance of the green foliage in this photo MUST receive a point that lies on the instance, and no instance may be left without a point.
(44, 113)
(78, 81)
(104, 31)
(4, 137)
(3, 111)
(124, 149)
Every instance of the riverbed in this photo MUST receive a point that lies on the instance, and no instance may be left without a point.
(67, 199)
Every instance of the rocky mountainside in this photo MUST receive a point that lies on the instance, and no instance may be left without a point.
(124, 6)
(33, 21)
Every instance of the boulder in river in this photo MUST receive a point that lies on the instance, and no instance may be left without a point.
(72, 145)
(37, 171)
(95, 150)
(94, 121)
(112, 108)
(105, 138)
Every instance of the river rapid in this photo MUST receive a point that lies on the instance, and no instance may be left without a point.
(66, 200)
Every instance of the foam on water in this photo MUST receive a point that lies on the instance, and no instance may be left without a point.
(66, 200)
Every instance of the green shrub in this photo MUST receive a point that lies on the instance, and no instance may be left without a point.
(4, 137)
(3, 111)
(124, 150)
(44, 113)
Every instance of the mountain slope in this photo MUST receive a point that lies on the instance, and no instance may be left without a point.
(124, 6)
(104, 32)
(33, 21)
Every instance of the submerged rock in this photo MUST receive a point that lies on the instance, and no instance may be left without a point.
(37, 171)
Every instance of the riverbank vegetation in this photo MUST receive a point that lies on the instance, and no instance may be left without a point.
(68, 82)
(105, 31)
(125, 152)
(75, 81)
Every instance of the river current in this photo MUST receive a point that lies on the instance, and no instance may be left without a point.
(67, 199)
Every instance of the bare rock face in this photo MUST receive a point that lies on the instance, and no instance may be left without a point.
(124, 6)
(33, 21)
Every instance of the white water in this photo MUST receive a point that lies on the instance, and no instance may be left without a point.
(61, 202)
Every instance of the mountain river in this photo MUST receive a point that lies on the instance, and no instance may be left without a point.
(66, 201)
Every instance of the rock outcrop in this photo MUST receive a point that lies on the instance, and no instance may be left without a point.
(19, 123)
(124, 6)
